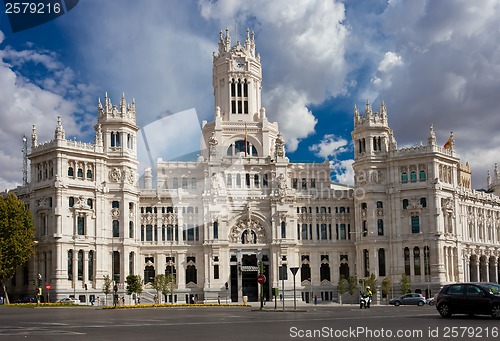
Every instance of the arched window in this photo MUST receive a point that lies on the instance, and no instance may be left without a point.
(380, 204)
(91, 266)
(413, 176)
(416, 260)
(90, 203)
(407, 261)
(405, 204)
(80, 265)
(324, 272)
(422, 176)
(381, 262)
(70, 265)
(191, 274)
(239, 147)
(79, 173)
(404, 177)
(423, 202)
(149, 274)
(89, 174)
(71, 172)
(305, 273)
(283, 229)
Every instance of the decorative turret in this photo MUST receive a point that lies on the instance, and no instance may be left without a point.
(371, 118)
(111, 112)
(237, 77)
(59, 133)
(371, 134)
(116, 127)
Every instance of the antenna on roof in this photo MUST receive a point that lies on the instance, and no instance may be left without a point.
(25, 160)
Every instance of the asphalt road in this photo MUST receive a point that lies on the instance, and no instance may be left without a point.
(239, 323)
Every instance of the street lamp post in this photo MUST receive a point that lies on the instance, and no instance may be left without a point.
(172, 269)
(283, 273)
(294, 272)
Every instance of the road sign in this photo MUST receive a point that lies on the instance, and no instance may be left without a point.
(261, 279)
(47, 286)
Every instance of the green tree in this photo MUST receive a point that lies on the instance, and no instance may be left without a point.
(16, 238)
(106, 287)
(134, 284)
(342, 287)
(372, 282)
(405, 284)
(352, 284)
(163, 285)
(386, 287)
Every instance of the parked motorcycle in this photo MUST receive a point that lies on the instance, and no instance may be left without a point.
(364, 301)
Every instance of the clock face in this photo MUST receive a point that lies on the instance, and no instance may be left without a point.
(239, 64)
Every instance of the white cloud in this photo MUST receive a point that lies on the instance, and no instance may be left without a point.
(329, 146)
(342, 171)
(24, 103)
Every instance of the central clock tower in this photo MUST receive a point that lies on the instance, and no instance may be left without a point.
(237, 77)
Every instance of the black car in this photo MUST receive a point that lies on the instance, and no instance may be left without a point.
(26, 300)
(469, 298)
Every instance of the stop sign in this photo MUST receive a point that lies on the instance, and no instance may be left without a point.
(261, 279)
(47, 286)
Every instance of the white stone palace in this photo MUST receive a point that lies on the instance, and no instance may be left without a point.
(213, 221)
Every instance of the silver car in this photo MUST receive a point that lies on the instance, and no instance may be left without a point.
(409, 299)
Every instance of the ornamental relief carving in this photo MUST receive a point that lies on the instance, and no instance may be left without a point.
(248, 231)
(115, 212)
(147, 219)
(115, 174)
(169, 219)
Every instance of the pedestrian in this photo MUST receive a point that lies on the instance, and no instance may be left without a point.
(123, 300)
(92, 300)
(138, 300)
(98, 300)
(218, 299)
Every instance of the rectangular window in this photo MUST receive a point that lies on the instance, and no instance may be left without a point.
(313, 183)
(80, 265)
(216, 230)
(229, 181)
(80, 225)
(190, 232)
(256, 181)
(323, 232)
(116, 228)
(304, 184)
(304, 232)
(216, 271)
(342, 232)
(149, 233)
(295, 182)
(264, 181)
(283, 229)
(247, 179)
(415, 224)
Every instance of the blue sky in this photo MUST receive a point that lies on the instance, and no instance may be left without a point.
(432, 62)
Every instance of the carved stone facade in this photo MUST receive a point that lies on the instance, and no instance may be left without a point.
(212, 221)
